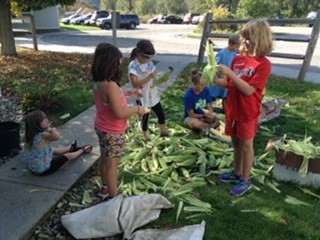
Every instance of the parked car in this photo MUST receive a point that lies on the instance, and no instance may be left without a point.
(80, 20)
(67, 20)
(156, 19)
(312, 16)
(96, 15)
(187, 19)
(197, 19)
(171, 19)
(129, 21)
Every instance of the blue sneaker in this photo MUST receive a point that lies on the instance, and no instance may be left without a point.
(241, 187)
(228, 177)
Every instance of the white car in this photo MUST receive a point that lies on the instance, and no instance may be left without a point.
(197, 19)
(80, 20)
(312, 16)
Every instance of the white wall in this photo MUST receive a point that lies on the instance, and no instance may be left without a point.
(47, 18)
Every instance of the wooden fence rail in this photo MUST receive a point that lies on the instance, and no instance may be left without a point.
(310, 39)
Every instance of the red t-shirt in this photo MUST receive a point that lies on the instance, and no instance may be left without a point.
(256, 72)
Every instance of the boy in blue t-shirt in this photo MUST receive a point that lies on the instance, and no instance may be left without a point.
(225, 56)
(195, 99)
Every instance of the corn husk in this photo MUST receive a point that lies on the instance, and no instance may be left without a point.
(165, 76)
(209, 70)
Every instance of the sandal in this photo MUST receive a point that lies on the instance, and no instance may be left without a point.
(74, 147)
(86, 148)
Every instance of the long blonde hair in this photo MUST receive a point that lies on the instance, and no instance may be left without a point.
(258, 32)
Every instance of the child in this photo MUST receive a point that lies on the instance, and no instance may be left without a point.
(225, 56)
(112, 112)
(43, 159)
(246, 81)
(142, 74)
(195, 99)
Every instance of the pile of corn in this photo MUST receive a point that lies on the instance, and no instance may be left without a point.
(176, 166)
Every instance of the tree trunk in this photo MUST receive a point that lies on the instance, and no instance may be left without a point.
(8, 47)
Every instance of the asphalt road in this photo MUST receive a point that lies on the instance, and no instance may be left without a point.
(173, 40)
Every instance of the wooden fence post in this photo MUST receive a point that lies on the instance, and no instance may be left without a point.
(310, 49)
(206, 31)
(33, 32)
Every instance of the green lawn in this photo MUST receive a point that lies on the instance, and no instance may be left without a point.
(261, 214)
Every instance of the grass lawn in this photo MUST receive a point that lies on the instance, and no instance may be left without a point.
(61, 83)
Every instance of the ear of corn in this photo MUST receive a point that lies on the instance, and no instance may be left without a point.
(165, 76)
(209, 70)
(146, 110)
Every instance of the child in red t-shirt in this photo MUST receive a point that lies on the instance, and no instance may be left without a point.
(246, 81)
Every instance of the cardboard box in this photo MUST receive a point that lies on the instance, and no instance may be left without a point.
(271, 109)
(293, 160)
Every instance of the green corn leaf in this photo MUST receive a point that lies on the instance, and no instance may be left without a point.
(86, 198)
(180, 206)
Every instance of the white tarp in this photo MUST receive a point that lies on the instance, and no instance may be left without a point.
(118, 215)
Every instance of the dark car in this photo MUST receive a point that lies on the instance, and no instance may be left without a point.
(96, 15)
(171, 19)
(129, 21)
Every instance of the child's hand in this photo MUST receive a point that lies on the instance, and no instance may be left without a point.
(142, 110)
(133, 93)
(153, 75)
(223, 69)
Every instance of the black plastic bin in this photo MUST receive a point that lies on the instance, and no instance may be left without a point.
(9, 138)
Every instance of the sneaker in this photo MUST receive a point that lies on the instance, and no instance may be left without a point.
(241, 187)
(228, 177)
(104, 192)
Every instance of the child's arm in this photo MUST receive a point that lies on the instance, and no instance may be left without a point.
(136, 83)
(112, 91)
(132, 93)
(242, 85)
(51, 134)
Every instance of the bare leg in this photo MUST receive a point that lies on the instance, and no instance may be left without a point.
(61, 150)
(112, 176)
(247, 153)
(74, 155)
(237, 156)
(197, 124)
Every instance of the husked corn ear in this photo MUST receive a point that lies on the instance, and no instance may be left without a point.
(219, 133)
(147, 110)
(206, 111)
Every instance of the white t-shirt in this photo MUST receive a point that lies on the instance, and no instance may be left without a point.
(151, 95)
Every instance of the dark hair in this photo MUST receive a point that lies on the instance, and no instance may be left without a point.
(143, 47)
(195, 76)
(106, 64)
(33, 125)
(234, 39)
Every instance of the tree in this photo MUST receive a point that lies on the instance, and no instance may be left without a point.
(8, 47)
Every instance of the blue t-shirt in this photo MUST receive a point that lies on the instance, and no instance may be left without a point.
(224, 56)
(196, 102)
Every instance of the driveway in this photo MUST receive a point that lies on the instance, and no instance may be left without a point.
(174, 40)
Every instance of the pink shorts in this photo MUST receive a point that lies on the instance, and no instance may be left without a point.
(243, 130)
